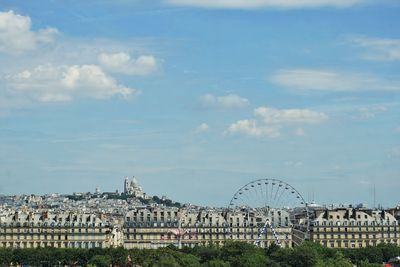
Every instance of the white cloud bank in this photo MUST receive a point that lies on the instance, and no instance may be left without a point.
(123, 63)
(378, 49)
(256, 4)
(320, 80)
(230, 101)
(16, 35)
(68, 70)
(48, 83)
(268, 122)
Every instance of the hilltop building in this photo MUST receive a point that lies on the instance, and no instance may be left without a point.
(133, 188)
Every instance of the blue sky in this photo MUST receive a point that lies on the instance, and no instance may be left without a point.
(196, 98)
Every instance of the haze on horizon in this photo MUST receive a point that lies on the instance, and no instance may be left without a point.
(197, 98)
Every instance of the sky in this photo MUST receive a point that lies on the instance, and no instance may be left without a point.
(196, 98)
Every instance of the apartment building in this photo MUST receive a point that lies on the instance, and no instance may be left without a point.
(20, 229)
(160, 226)
(353, 228)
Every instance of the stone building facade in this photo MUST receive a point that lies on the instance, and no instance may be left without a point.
(354, 228)
(55, 229)
(160, 226)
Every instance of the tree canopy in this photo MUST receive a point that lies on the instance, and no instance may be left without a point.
(238, 254)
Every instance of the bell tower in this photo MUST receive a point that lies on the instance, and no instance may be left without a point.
(126, 185)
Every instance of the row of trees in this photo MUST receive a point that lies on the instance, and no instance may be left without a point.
(233, 254)
(156, 200)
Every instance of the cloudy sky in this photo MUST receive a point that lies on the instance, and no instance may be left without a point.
(198, 97)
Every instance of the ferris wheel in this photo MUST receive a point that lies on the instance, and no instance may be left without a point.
(277, 209)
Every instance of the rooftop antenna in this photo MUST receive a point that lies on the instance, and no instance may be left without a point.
(374, 196)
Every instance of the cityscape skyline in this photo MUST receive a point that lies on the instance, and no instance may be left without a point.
(132, 187)
(262, 212)
(196, 98)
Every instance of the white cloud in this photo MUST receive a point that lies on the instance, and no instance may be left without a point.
(379, 49)
(230, 101)
(364, 182)
(123, 63)
(48, 83)
(299, 132)
(250, 127)
(256, 4)
(393, 153)
(283, 116)
(368, 112)
(202, 128)
(319, 80)
(293, 163)
(16, 35)
(269, 122)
